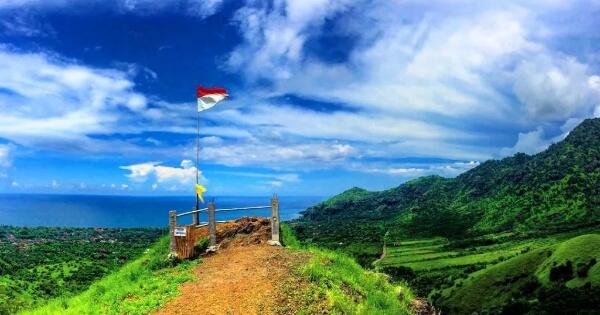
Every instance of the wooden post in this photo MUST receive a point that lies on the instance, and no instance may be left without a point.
(196, 217)
(275, 219)
(212, 224)
(172, 225)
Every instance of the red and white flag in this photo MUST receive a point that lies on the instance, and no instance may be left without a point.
(209, 97)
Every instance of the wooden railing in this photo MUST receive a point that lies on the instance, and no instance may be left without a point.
(183, 238)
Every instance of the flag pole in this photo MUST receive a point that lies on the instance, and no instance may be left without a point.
(197, 156)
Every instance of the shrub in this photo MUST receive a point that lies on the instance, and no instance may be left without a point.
(399, 273)
(201, 246)
(562, 273)
(583, 268)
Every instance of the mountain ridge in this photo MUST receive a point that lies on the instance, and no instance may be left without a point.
(557, 188)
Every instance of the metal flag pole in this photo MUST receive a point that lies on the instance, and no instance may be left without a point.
(197, 156)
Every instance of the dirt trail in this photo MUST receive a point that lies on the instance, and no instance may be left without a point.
(240, 278)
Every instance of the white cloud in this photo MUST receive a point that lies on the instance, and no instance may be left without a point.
(184, 175)
(140, 172)
(419, 66)
(204, 8)
(200, 8)
(271, 179)
(416, 70)
(348, 126)
(556, 88)
(77, 100)
(528, 142)
(275, 35)
(417, 75)
(446, 170)
(537, 140)
(23, 25)
(5, 156)
(307, 155)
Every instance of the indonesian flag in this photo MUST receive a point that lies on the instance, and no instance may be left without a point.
(209, 97)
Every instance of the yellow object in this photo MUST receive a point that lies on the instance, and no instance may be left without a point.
(199, 191)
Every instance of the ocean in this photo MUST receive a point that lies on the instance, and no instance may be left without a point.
(129, 211)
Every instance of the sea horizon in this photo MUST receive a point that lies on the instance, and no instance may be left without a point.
(128, 211)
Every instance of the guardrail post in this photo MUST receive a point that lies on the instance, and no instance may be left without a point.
(275, 220)
(172, 225)
(196, 217)
(212, 224)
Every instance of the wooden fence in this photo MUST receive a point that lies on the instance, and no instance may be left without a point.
(183, 238)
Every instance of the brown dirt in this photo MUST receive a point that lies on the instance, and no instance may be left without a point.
(243, 277)
(421, 306)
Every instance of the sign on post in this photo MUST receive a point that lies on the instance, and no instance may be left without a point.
(179, 231)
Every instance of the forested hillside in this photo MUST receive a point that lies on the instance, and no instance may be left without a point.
(557, 189)
(42, 263)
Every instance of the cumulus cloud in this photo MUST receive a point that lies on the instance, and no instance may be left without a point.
(556, 88)
(184, 175)
(528, 142)
(535, 141)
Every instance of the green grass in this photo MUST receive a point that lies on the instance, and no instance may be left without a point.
(464, 260)
(492, 271)
(138, 288)
(578, 250)
(349, 288)
(436, 253)
(527, 277)
(492, 287)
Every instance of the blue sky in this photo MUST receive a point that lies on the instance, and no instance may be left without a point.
(98, 97)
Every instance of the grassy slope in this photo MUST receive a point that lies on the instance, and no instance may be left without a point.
(137, 288)
(494, 287)
(348, 287)
(579, 250)
(148, 282)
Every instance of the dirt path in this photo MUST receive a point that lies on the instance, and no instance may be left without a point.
(236, 280)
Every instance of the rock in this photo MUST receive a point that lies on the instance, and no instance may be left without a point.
(273, 243)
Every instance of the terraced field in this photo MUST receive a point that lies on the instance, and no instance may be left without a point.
(437, 253)
(451, 272)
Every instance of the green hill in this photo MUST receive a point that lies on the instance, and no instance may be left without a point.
(513, 236)
(319, 281)
(561, 278)
(557, 189)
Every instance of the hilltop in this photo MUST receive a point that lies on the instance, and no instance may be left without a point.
(244, 276)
